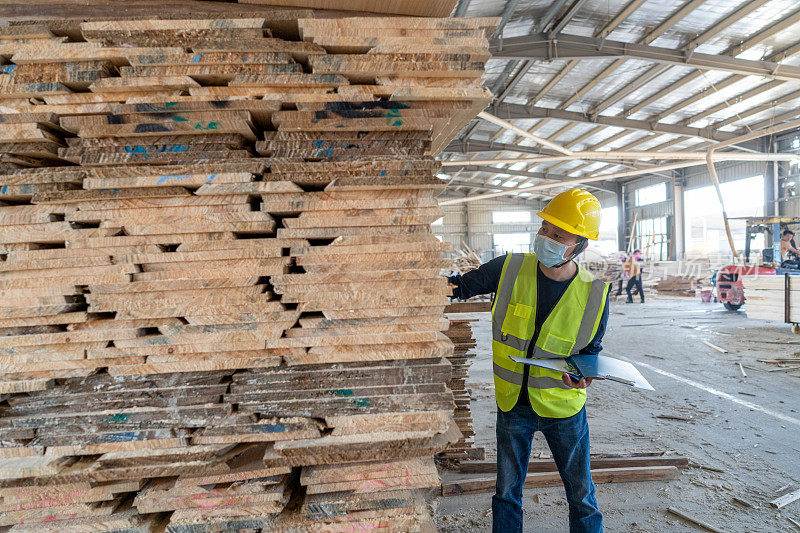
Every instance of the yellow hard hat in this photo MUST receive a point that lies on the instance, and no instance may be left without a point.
(575, 211)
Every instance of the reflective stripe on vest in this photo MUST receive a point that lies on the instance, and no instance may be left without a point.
(501, 301)
(569, 328)
(540, 382)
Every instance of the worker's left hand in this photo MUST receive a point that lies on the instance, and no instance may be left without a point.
(582, 384)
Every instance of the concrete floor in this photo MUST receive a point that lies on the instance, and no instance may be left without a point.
(754, 438)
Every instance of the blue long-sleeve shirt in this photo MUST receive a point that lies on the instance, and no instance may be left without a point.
(486, 279)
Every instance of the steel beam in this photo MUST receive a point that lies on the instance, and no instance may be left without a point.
(474, 147)
(561, 46)
(461, 8)
(561, 22)
(518, 111)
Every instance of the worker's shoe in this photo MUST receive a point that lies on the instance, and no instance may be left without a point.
(629, 301)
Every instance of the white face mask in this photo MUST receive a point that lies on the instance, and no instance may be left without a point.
(549, 252)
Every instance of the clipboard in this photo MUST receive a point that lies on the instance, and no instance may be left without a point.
(592, 366)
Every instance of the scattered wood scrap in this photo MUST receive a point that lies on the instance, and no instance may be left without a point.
(714, 346)
(693, 520)
(786, 499)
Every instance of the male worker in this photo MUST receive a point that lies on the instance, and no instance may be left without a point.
(787, 246)
(546, 306)
(634, 271)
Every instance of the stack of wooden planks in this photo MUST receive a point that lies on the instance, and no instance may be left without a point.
(460, 333)
(765, 297)
(677, 286)
(222, 303)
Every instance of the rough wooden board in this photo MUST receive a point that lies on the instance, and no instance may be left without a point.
(547, 479)
(547, 465)
(31, 466)
(366, 471)
(371, 485)
(128, 521)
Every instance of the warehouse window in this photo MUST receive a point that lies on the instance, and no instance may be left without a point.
(608, 233)
(651, 238)
(511, 217)
(651, 195)
(705, 229)
(511, 242)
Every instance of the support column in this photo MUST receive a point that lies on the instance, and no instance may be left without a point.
(771, 190)
(468, 224)
(679, 225)
(622, 224)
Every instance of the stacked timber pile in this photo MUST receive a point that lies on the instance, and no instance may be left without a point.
(765, 297)
(460, 333)
(677, 286)
(222, 306)
(465, 260)
(608, 269)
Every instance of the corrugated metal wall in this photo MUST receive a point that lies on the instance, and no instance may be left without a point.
(471, 223)
(696, 177)
(481, 227)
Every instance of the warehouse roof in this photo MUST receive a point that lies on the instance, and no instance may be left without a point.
(625, 75)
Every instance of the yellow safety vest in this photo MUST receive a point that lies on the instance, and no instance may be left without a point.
(569, 328)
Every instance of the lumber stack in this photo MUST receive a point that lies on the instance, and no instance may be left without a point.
(222, 302)
(765, 297)
(460, 334)
(465, 260)
(677, 286)
(608, 268)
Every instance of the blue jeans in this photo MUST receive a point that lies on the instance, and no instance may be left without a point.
(568, 439)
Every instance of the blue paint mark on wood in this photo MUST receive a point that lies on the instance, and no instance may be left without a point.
(166, 177)
(4, 189)
(196, 58)
(117, 418)
(125, 436)
(269, 428)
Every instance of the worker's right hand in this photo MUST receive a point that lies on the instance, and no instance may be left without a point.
(582, 384)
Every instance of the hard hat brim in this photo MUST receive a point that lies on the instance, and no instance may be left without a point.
(566, 227)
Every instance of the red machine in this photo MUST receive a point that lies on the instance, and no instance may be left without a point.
(729, 287)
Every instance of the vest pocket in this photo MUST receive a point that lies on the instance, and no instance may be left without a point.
(517, 320)
(558, 345)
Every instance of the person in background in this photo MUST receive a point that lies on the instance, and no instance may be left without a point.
(787, 247)
(634, 271)
(624, 276)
